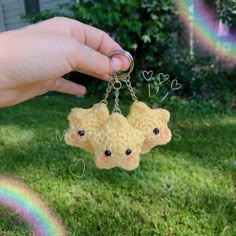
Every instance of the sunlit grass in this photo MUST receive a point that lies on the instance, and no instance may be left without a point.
(184, 188)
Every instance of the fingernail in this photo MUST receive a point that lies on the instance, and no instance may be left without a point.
(117, 63)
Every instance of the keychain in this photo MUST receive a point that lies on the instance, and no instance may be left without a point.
(115, 140)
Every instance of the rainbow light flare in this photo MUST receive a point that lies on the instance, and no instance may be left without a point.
(21, 200)
(206, 31)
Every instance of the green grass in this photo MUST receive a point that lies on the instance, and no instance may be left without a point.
(187, 187)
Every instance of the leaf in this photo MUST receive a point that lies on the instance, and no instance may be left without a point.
(146, 38)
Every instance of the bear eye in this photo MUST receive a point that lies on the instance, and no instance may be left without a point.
(81, 133)
(128, 152)
(107, 153)
(156, 131)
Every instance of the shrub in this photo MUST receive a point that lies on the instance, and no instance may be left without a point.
(149, 30)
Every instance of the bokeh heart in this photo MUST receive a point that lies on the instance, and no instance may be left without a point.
(147, 75)
(163, 78)
(175, 85)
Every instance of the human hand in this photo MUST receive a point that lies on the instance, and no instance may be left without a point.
(33, 59)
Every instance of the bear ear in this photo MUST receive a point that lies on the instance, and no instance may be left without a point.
(163, 114)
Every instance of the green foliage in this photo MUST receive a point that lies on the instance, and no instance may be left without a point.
(227, 11)
(152, 32)
(201, 79)
(200, 75)
(36, 17)
(141, 27)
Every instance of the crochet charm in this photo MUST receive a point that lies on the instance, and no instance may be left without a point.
(115, 140)
(117, 144)
(153, 124)
(83, 124)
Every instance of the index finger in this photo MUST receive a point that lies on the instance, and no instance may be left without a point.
(98, 40)
(90, 36)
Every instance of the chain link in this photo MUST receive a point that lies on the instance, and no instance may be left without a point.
(108, 91)
(117, 86)
(131, 90)
(116, 81)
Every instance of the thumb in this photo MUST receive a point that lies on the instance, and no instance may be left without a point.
(65, 86)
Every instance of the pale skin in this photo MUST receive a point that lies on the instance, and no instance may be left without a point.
(34, 59)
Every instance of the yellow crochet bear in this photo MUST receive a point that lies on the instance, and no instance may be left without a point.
(117, 144)
(153, 124)
(84, 123)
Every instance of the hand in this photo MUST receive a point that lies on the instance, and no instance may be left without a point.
(33, 59)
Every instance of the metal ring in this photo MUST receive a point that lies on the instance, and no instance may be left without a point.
(113, 75)
(117, 85)
(122, 74)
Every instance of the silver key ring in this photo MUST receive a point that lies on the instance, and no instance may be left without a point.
(121, 74)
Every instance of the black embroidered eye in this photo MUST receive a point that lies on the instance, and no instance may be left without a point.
(156, 131)
(128, 151)
(81, 132)
(107, 153)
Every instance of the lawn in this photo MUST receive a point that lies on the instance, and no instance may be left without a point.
(187, 187)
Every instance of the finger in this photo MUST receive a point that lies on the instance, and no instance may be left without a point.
(65, 86)
(102, 42)
(90, 36)
(105, 77)
(19, 94)
(23, 93)
(88, 61)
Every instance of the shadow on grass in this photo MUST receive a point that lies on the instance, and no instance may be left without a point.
(209, 147)
(131, 208)
(212, 146)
